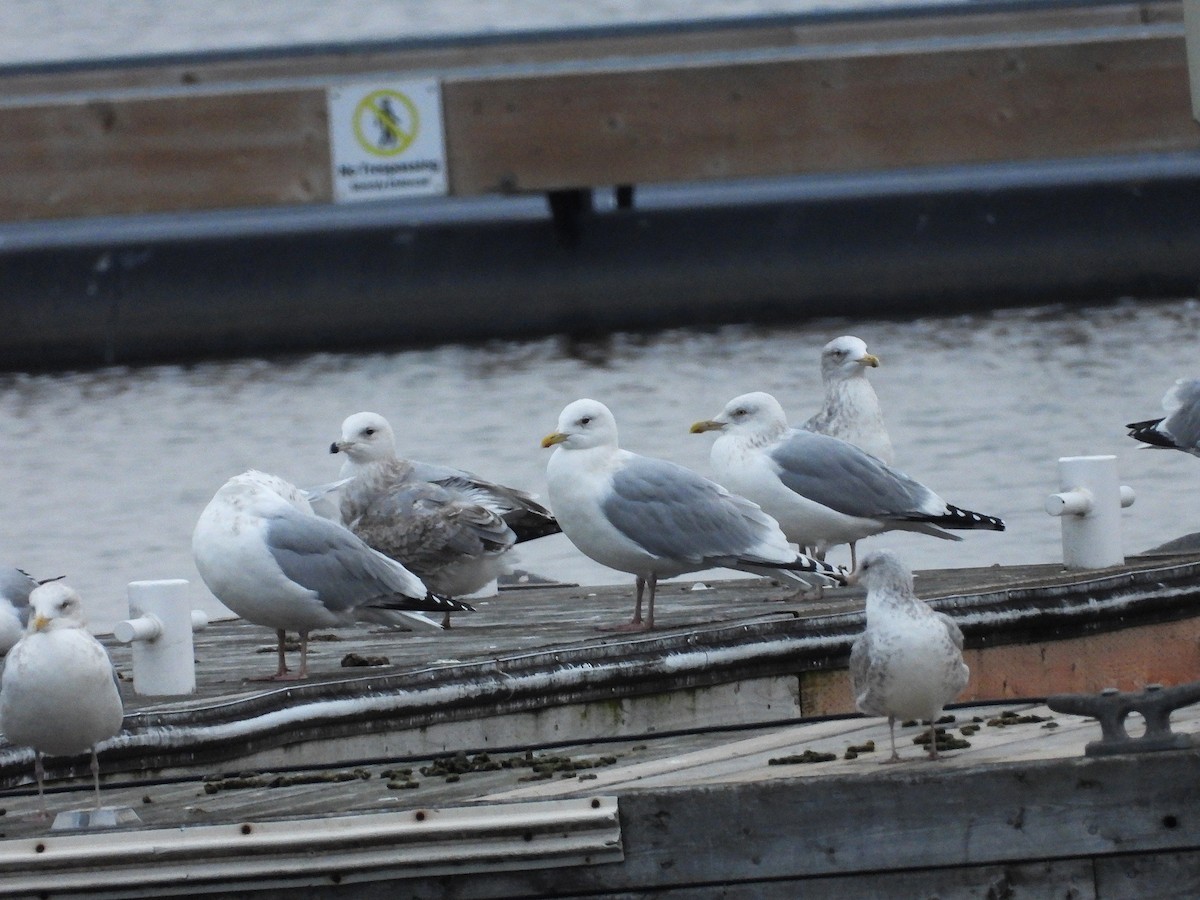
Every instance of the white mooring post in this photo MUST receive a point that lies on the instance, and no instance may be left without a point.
(159, 627)
(1090, 505)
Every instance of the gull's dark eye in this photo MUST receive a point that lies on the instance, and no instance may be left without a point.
(368, 431)
(586, 420)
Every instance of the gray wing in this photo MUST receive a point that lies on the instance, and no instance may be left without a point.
(345, 573)
(427, 527)
(1182, 403)
(15, 587)
(849, 480)
(956, 635)
(673, 513)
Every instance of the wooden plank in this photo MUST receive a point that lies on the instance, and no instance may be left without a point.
(628, 121)
(148, 154)
(440, 54)
(841, 113)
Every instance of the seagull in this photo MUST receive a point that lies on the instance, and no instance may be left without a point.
(652, 518)
(264, 554)
(823, 491)
(452, 528)
(59, 694)
(1180, 428)
(908, 664)
(851, 411)
(15, 587)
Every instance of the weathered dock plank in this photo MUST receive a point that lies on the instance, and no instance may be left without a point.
(1002, 89)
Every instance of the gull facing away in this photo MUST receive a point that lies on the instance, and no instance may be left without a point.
(1179, 429)
(851, 411)
(653, 518)
(908, 664)
(15, 588)
(59, 694)
(453, 529)
(264, 554)
(823, 491)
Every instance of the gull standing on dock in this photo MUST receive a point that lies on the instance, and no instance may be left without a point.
(59, 694)
(452, 528)
(264, 553)
(823, 491)
(653, 518)
(851, 410)
(908, 663)
(15, 588)
(1179, 429)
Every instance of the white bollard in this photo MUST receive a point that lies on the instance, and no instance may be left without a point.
(1090, 505)
(160, 629)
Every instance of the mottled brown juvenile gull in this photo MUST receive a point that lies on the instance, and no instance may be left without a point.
(59, 694)
(452, 528)
(1179, 429)
(264, 554)
(908, 663)
(851, 409)
(823, 491)
(653, 518)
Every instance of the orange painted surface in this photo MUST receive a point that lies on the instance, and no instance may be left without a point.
(1166, 654)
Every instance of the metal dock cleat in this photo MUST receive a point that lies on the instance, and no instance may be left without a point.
(1111, 707)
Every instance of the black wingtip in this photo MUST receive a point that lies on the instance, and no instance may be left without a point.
(447, 604)
(1147, 432)
(959, 518)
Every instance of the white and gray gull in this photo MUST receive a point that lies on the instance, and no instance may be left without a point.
(908, 663)
(1179, 429)
(15, 588)
(452, 528)
(823, 491)
(655, 519)
(59, 694)
(851, 408)
(265, 555)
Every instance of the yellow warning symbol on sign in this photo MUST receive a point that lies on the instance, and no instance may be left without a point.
(386, 123)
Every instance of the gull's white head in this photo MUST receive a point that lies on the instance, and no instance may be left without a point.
(582, 425)
(366, 437)
(54, 605)
(259, 491)
(845, 357)
(882, 570)
(753, 415)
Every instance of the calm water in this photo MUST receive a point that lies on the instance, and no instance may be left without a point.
(107, 471)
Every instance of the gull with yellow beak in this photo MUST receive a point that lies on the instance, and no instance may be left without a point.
(655, 519)
(823, 491)
(851, 410)
(59, 694)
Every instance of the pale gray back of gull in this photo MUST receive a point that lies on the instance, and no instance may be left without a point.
(15, 588)
(452, 528)
(908, 664)
(265, 555)
(822, 491)
(653, 518)
(851, 409)
(59, 694)
(1179, 429)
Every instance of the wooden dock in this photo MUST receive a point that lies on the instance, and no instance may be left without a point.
(525, 752)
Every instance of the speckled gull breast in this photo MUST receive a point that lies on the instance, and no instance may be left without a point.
(822, 491)
(1179, 429)
(453, 529)
(264, 554)
(908, 663)
(851, 409)
(653, 518)
(59, 694)
(15, 588)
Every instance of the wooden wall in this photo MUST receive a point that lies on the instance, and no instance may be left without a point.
(533, 114)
